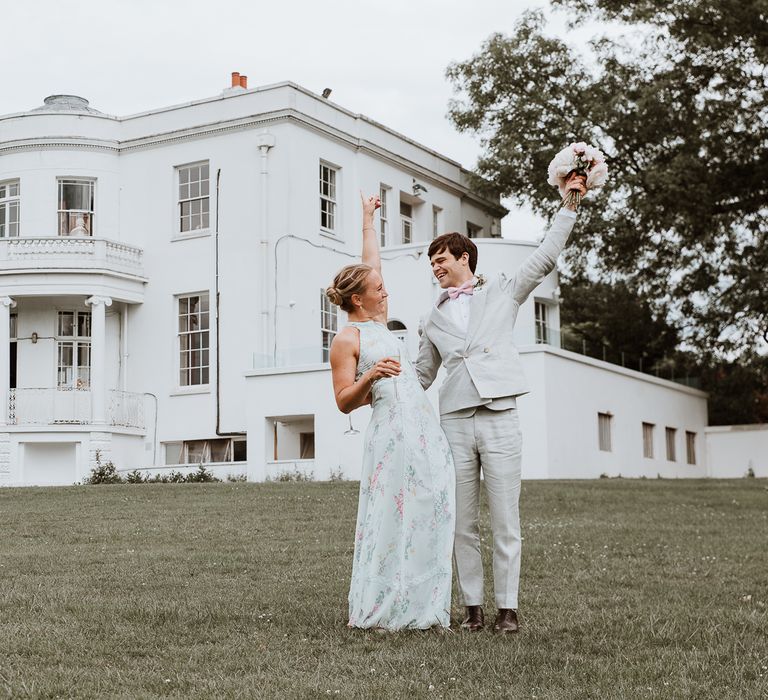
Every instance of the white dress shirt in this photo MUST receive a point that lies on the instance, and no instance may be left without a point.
(457, 309)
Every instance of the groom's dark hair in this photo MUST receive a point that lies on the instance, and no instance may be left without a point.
(457, 244)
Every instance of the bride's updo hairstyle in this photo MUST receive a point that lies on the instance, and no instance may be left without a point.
(350, 280)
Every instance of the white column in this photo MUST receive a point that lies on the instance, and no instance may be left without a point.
(6, 303)
(124, 348)
(98, 357)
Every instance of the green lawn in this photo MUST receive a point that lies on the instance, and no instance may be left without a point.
(630, 589)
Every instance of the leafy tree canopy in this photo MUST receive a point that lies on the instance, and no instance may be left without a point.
(683, 120)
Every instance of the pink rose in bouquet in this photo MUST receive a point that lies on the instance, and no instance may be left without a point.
(582, 159)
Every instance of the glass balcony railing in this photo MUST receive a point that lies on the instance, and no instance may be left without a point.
(665, 368)
(523, 336)
(292, 357)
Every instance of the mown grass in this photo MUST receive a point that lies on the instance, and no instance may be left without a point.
(630, 589)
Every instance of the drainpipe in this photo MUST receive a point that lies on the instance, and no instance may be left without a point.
(265, 141)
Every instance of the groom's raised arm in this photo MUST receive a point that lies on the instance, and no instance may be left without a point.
(543, 260)
(428, 360)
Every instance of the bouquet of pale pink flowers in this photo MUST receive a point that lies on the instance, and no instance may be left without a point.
(582, 159)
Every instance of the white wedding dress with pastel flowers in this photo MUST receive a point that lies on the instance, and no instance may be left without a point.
(401, 571)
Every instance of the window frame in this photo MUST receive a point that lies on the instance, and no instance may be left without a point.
(329, 199)
(90, 221)
(648, 432)
(473, 230)
(384, 215)
(406, 223)
(604, 431)
(8, 203)
(329, 325)
(436, 213)
(183, 448)
(203, 198)
(670, 435)
(203, 368)
(80, 374)
(690, 447)
(541, 326)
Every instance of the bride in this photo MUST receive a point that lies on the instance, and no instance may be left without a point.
(401, 570)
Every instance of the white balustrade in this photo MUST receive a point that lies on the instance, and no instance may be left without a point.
(63, 251)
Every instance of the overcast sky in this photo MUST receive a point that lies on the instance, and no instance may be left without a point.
(386, 60)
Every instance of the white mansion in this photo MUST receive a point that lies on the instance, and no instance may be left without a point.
(161, 300)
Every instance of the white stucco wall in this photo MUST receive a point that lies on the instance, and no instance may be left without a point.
(734, 449)
(558, 418)
(578, 388)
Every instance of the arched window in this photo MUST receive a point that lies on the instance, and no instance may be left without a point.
(399, 329)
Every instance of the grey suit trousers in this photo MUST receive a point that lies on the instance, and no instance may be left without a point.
(488, 440)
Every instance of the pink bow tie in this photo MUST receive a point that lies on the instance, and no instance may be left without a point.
(467, 288)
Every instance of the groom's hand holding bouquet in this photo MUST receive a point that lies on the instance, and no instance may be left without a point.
(575, 170)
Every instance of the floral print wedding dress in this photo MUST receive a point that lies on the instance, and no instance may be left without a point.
(401, 571)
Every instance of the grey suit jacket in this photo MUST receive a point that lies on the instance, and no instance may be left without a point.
(483, 365)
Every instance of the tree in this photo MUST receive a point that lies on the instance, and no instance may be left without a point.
(608, 320)
(683, 120)
(602, 319)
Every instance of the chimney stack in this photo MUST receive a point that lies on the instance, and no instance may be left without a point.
(236, 80)
(244, 81)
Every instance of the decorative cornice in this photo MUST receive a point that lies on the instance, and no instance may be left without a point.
(59, 143)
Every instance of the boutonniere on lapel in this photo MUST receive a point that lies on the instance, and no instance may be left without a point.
(480, 282)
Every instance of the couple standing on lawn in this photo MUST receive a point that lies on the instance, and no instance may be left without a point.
(420, 480)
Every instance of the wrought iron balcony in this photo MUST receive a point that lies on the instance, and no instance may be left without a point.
(70, 406)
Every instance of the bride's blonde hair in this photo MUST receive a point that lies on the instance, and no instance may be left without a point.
(349, 280)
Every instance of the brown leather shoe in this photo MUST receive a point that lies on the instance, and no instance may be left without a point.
(506, 621)
(475, 620)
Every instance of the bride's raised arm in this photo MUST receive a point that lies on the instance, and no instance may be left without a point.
(371, 255)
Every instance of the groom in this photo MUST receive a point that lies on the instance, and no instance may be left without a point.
(469, 332)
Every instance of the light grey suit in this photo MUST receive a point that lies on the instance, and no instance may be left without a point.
(479, 415)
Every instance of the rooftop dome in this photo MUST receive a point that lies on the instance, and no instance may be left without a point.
(66, 103)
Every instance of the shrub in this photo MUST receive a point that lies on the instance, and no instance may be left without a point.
(750, 473)
(106, 473)
(201, 476)
(103, 472)
(295, 475)
(337, 474)
(234, 478)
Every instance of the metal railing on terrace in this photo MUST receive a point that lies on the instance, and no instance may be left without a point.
(638, 361)
(664, 369)
(70, 406)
